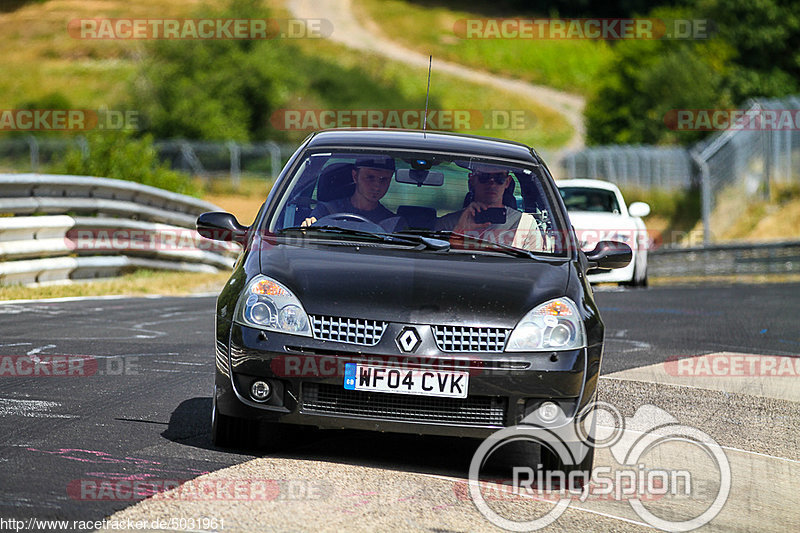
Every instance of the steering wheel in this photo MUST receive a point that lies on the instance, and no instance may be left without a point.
(349, 221)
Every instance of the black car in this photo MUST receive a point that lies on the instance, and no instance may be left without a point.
(406, 281)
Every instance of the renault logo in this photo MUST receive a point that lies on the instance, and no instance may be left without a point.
(408, 340)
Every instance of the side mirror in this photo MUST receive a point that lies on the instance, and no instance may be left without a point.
(638, 209)
(220, 226)
(609, 254)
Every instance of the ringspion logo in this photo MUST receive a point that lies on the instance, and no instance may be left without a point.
(635, 476)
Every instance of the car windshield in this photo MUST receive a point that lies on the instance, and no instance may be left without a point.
(472, 203)
(589, 199)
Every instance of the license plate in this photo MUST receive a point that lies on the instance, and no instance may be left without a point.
(405, 381)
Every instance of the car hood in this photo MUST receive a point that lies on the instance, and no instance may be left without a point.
(420, 287)
(605, 222)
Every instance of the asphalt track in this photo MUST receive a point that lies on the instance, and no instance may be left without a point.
(143, 414)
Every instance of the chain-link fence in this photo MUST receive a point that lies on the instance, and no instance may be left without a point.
(215, 159)
(210, 160)
(760, 150)
(745, 163)
(732, 166)
(643, 167)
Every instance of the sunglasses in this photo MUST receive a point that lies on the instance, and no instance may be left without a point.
(498, 178)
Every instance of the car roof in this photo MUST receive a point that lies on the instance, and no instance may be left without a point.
(421, 140)
(593, 184)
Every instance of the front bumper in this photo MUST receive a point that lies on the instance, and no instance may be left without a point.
(307, 379)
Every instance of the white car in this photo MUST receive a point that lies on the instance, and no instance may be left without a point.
(599, 213)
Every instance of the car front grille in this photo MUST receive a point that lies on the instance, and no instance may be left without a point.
(471, 411)
(350, 330)
(467, 339)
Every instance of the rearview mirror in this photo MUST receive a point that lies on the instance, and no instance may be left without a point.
(609, 254)
(420, 177)
(638, 209)
(220, 226)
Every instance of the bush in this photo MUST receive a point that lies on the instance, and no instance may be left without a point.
(119, 155)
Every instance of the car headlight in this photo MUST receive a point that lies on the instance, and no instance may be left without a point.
(554, 325)
(267, 304)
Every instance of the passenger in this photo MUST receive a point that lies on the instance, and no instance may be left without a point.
(372, 176)
(488, 184)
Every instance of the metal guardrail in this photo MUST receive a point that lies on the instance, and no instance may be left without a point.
(726, 260)
(113, 226)
(211, 160)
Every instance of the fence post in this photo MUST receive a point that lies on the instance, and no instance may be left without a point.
(705, 193)
(766, 147)
(84, 146)
(275, 158)
(190, 157)
(233, 148)
(33, 144)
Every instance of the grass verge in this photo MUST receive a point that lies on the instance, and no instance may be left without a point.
(673, 213)
(567, 64)
(740, 279)
(139, 283)
(543, 127)
(40, 57)
(243, 201)
(43, 63)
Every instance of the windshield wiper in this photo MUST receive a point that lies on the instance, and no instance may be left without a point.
(446, 235)
(420, 241)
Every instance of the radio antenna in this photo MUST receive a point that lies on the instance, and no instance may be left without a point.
(427, 94)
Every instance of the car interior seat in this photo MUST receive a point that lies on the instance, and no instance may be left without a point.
(509, 200)
(335, 181)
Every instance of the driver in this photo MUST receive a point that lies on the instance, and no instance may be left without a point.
(372, 176)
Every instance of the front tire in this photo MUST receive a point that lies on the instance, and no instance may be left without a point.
(581, 473)
(231, 432)
(246, 433)
(639, 278)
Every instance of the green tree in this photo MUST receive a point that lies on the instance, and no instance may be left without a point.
(753, 52)
(229, 89)
(646, 81)
(765, 37)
